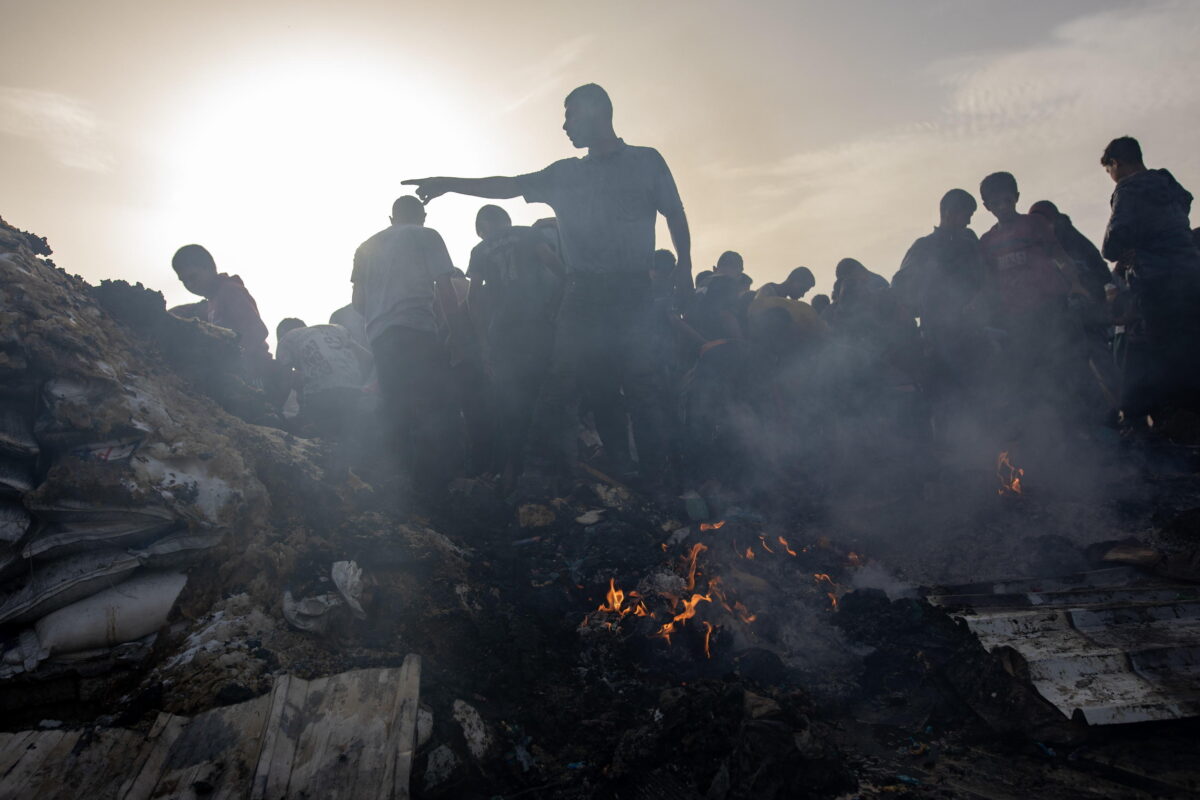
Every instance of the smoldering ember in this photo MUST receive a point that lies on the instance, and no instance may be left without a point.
(580, 521)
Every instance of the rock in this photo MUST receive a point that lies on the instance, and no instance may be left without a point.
(440, 767)
(475, 731)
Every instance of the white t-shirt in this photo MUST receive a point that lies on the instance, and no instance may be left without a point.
(397, 268)
(324, 355)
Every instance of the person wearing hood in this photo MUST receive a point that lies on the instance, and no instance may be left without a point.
(1150, 237)
(1089, 264)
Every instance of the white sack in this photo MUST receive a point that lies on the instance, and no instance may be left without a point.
(128, 611)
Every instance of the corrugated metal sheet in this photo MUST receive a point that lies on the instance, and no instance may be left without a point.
(1113, 646)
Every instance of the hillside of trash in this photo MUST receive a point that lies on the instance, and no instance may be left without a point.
(166, 545)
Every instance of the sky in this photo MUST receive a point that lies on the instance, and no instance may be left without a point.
(276, 133)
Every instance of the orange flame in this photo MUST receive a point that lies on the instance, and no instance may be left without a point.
(690, 560)
(744, 613)
(820, 577)
(712, 526)
(614, 599)
(614, 602)
(788, 549)
(750, 553)
(708, 632)
(763, 540)
(689, 611)
(1009, 475)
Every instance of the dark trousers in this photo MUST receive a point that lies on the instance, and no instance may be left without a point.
(519, 355)
(418, 417)
(603, 345)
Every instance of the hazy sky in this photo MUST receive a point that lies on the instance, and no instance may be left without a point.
(276, 133)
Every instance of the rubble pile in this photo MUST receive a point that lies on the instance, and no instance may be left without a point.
(161, 550)
(110, 484)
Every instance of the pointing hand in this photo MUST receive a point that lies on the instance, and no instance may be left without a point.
(427, 188)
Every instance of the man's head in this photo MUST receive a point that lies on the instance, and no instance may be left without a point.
(956, 209)
(196, 269)
(588, 115)
(999, 194)
(287, 326)
(491, 220)
(730, 263)
(1122, 158)
(798, 282)
(1046, 210)
(703, 277)
(408, 210)
(820, 302)
(662, 268)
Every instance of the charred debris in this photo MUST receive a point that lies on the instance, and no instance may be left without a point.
(165, 548)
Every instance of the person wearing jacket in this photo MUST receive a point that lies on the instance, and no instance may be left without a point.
(1150, 239)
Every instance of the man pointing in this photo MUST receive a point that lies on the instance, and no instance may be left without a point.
(607, 205)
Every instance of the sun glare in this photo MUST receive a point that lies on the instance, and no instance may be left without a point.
(284, 171)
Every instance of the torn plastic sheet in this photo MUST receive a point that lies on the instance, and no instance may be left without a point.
(71, 409)
(16, 477)
(177, 549)
(57, 541)
(14, 521)
(347, 577)
(59, 583)
(16, 433)
(81, 513)
(310, 613)
(115, 450)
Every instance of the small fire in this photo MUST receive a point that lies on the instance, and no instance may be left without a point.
(614, 602)
(690, 560)
(821, 577)
(712, 526)
(765, 546)
(786, 548)
(1009, 475)
(708, 632)
(750, 553)
(689, 611)
(854, 559)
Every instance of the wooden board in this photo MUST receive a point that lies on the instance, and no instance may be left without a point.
(346, 736)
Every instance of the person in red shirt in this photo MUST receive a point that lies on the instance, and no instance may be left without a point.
(229, 305)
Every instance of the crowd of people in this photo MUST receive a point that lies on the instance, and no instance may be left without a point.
(575, 340)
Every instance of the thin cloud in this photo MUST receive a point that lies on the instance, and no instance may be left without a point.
(1042, 112)
(547, 74)
(63, 126)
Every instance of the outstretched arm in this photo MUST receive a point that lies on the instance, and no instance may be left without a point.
(500, 187)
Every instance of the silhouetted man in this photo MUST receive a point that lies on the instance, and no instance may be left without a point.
(942, 272)
(399, 273)
(227, 304)
(730, 263)
(1150, 238)
(1027, 279)
(516, 283)
(799, 281)
(606, 204)
(938, 280)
